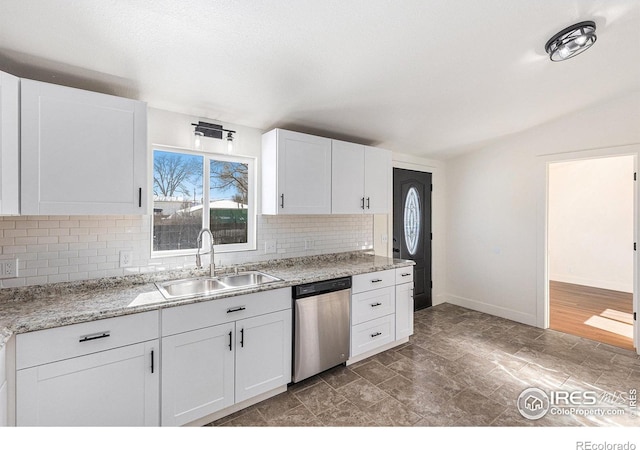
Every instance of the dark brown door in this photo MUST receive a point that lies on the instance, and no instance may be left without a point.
(412, 228)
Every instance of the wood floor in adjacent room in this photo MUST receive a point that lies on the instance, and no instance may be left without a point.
(599, 314)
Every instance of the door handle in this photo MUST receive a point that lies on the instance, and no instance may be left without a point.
(362, 201)
(281, 200)
(396, 250)
(376, 334)
(152, 361)
(230, 340)
(373, 305)
(368, 203)
(242, 338)
(239, 308)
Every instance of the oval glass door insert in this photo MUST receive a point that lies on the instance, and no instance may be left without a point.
(412, 220)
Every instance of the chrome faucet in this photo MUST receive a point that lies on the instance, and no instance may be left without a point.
(212, 265)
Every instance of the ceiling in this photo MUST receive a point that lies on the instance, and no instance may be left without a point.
(428, 77)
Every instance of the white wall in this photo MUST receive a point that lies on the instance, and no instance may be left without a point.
(496, 200)
(591, 222)
(54, 249)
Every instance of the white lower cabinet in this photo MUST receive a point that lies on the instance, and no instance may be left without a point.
(263, 356)
(208, 369)
(404, 302)
(3, 390)
(111, 388)
(381, 310)
(102, 379)
(197, 373)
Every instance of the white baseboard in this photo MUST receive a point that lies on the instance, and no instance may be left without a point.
(602, 284)
(499, 311)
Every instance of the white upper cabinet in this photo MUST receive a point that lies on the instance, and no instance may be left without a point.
(9, 144)
(361, 179)
(81, 152)
(296, 173)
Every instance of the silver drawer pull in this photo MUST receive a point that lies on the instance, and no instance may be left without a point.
(239, 308)
(376, 334)
(405, 274)
(373, 305)
(93, 337)
(376, 281)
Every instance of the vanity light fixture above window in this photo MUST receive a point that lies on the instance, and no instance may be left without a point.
(571, 41)
(211, 130)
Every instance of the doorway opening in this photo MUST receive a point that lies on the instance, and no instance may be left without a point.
(412, 229)
(590, 248)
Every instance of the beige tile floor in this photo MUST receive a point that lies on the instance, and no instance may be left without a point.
(460, 368)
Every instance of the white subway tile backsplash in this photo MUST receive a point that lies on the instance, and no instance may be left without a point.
(52, 249)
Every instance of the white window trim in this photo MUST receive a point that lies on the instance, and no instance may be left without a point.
(251, 207)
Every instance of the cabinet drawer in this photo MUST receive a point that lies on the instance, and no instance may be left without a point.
(373, 334)
(205, 314)
(372, 304)
(373, 280)
(404, 275)
(55, 344)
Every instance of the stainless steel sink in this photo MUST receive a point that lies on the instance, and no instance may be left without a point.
(247, 279)
(197, 287)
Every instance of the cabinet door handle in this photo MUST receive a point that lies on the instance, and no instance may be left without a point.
(373, 305)
(242, 338)
(281, 200)
(368, 203)
(239, 308)
(139, 197)
(405, 274)
(93, 337)
(230, 339)
(152, 368)
(362, 203)
(376, 334)
(376, 281)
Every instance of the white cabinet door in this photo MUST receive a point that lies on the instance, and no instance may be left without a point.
(81, 152)
(377, 186)
(263, 354)
(404, 310)
(9, 144)
(197, 373)
(3, 390)
(361, 179)
(296, 173)
(347, 178)
(118, 387)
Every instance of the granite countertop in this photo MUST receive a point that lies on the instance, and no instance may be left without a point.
(35, 308)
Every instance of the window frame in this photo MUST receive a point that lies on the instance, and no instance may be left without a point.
(251, 163)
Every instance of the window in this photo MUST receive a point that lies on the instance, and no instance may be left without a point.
(184, 183)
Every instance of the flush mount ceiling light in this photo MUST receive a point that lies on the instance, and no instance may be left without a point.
(571, 41)
(212, 130)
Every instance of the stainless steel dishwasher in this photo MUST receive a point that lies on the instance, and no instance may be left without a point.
(321, 326)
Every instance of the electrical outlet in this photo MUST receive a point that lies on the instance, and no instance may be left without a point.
(308, 244)
(269, 247)
(9, 268)
(126, 258)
